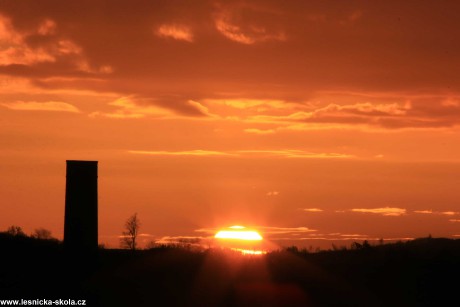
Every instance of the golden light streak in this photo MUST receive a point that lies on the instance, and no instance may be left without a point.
(249, 251)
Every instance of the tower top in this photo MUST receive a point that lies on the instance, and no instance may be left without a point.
(81, 161)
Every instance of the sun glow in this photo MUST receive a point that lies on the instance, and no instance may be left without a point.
(238, 233)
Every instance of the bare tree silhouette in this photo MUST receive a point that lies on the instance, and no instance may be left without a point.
(42, 233)
(15, 231)
(129, 236)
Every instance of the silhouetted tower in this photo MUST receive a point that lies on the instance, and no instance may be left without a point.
(80, 226)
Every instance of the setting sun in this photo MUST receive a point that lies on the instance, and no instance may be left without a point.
(238, 233)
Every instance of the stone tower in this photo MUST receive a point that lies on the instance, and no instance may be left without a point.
(80, 225)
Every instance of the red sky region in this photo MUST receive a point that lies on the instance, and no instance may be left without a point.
(309, 121)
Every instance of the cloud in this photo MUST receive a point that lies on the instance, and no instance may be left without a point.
(41, 106)
(273, 193)
(454, 220)
(367, 113)
(13, 49)
(293, 153)
(177, 32)
(200, 108)
(259, 131)
(449, 213)
(267, 230)
(128, 108)
(47, 27)
(246, 36)
(142, 235)
(363, 109)
(409, 113)
(354, 235)
(189, 240)
(257, 104)
(424, 211)
(387, 211)
(198, 153)
(272, 233)
(232, 22)
(207, 230)
(319, 77)
(285, 230)
(343, 237)
(436, 212)
(312, 210)
(41, 46)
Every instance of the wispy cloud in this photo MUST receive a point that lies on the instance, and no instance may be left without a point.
(273, 193)
(256, 105)
(228, 23)
(365, 109)
(294, 153)
(387, 211)
(207, 230)
(126, 107)
(193, 240)
(408, 113)
(424, 211)
(267, 230)
(131, 107)
(354, 235)
(197, 152)
(450, 213)
(344, 237)
(42, 42)
(312, 210)
(454, 220)
(142, 235)
(246, 153)
(285, 230)
(259, 131)
(15, 51)
(42, 45)
(177, 32)
(41, 106)
(436, 212)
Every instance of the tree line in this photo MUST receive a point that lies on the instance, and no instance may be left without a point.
(39, 233)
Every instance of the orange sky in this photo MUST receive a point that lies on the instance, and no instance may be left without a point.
(308, 120)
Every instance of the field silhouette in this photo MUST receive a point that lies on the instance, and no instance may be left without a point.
(421, 272)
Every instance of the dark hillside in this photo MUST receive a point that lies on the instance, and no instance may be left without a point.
(421, 272)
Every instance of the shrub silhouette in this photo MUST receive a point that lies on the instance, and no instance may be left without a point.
(42, 233)
(15, 231)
